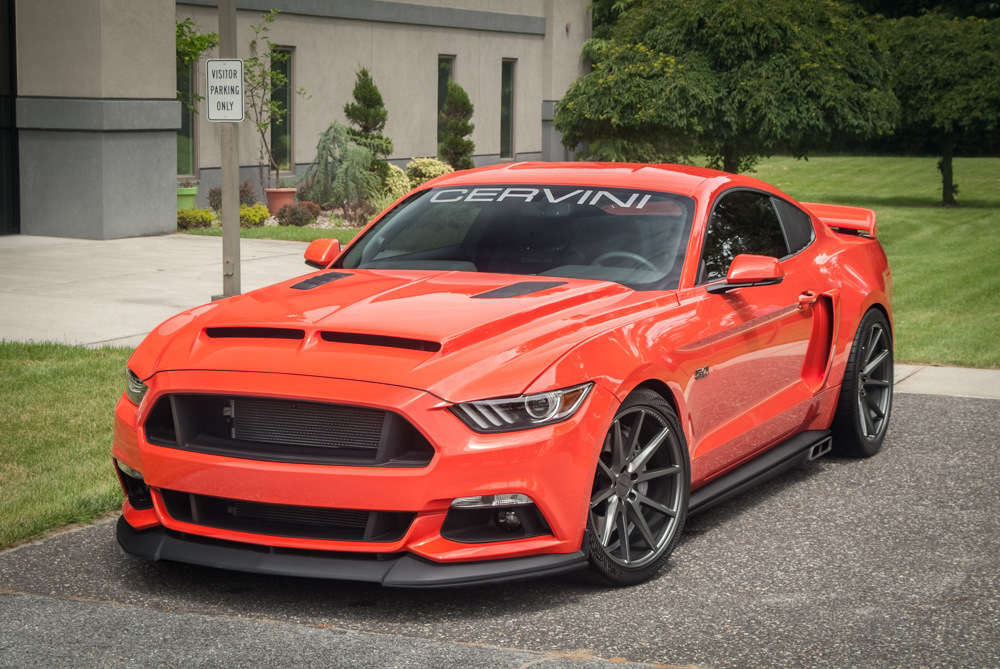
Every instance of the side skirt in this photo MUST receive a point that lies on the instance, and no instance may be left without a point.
(801, 448)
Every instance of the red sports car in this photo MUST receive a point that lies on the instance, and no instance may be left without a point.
(513, 372)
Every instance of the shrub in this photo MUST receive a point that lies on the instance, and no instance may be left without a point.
(253, 216)
(248, 195)
(194, 218)
(340, 177)
(397, 184)
(313, 209)
(293, 214)
(420, 170)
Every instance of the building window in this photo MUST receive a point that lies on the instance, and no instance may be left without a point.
(446, 71)
(185, 136)
(281, 93)
(507, 110)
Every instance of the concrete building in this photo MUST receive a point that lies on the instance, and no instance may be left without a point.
(93, 142)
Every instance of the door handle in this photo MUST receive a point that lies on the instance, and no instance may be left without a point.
(807, 299)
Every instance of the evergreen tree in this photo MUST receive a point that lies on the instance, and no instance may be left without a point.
(367, 114)
(455, 149)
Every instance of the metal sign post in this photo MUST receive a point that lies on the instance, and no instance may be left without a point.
(222, 104)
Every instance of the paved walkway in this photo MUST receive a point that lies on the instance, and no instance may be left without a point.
(113, 292)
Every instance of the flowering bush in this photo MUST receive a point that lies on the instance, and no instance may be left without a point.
(420, 170)
(252, 217)
(194, 218)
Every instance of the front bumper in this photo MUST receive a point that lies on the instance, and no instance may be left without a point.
(552, 465)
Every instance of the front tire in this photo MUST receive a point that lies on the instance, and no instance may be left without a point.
(640, 494)
(865, 403)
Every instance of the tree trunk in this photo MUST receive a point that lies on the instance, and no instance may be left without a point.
(948, 187)
(730, 163)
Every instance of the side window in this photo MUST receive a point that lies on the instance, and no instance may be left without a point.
(741, 222)
(507, 109)
(799, 231)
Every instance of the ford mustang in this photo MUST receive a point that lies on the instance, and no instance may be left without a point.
(514, 371)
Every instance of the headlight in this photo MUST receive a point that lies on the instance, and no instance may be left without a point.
(135, 389)
(505, 414)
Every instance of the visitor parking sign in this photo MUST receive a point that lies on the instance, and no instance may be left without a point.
(224, 89)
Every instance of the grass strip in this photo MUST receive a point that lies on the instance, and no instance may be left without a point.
(289, 233)
(55, 436)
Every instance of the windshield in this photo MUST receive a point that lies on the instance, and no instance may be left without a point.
(635, 238)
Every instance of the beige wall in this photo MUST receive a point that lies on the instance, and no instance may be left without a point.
(96, 49)
(402, 59)
(568, 28)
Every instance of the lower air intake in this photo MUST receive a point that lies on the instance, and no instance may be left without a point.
(301, 522)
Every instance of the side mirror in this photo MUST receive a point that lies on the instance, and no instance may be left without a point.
(322, 252)
(750, 270)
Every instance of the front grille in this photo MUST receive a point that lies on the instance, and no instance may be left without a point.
(300, 522)
(278, 430)
(306, 423)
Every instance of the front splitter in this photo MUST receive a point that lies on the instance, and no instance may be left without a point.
(404, 571)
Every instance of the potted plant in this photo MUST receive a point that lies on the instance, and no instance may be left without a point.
(280, 196)
(261, 77)
(186, 192)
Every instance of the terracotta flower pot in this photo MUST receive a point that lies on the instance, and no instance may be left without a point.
(278, 198)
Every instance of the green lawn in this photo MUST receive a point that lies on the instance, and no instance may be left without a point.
(944, 259)
(56, 408)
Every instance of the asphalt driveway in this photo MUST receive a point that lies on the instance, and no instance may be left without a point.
(886, 562)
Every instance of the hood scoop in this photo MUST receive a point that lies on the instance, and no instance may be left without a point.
(255, 333)
(519, 289)
(381, 340)
(319, 280)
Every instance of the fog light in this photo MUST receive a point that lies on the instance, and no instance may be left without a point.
(128, 471)
(134, 486)
(485, 518)
(507, 519)
(491, 501)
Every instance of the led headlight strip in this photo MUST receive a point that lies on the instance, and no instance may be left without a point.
(505, 414)
(136, 389)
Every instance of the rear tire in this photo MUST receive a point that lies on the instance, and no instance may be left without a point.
(865, 403)
(640, 495)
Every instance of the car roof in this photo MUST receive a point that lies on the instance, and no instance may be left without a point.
(680, 179)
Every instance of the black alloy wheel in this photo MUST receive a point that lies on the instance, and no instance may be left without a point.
(640, 495)
(865, 403)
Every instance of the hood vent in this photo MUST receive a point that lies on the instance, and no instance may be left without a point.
(255, 333)
(381, 340)
(319, 280)
(519, 289)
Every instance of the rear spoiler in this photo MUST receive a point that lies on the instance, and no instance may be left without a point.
(849, 220)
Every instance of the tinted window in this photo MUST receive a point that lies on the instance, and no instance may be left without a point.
(635, 238)
(798, 228)
(741, 222)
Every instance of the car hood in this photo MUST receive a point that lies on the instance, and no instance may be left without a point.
(458, 335)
